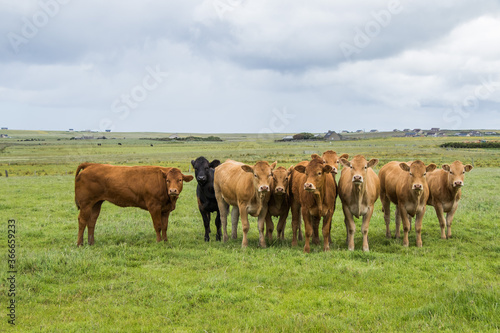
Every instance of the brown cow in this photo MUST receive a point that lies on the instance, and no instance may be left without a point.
(313, 185)
(246, 187)
(445, 187)
(331, 158)
(279, 203)
(359, 188)
(405, 186)
(152, 188)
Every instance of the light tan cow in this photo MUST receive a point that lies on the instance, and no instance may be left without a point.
(359, 188)
(405, 186)
(445, 187)
(279, 203)
(249, 189)
(331, 158)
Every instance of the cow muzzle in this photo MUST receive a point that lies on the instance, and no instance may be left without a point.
(202, 180)
(458, 183)
(417, 187)
(279, 190)
(263, 188)
(173, 192)
(309, 187)
(334, 170)
(357, 179)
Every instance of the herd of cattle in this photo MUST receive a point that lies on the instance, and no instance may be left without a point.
(308, 189)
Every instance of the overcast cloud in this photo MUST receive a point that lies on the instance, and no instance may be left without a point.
(249, 65)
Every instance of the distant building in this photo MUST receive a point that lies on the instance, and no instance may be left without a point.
(108, 130)
(373, 131)
(331, 136)
(406, 130)
(5, 128)
(462, 134)
(410, 134)
(344, 131)
(71, 130)
(359, 131)
(174, 137)
(435, 129)
(396, 130)
(4, 136)
(287, 138)
(418, 130)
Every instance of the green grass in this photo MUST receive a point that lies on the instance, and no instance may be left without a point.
(128, 282)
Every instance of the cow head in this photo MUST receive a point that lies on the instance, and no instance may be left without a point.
(417, 172)
(280, 180)
(316, 172)
(262, 175)
(456, 173)
(333, 159)
(358, 168)
(175, 179)
(202, 167)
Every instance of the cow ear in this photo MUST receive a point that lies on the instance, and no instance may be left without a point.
(290, 169)
(346, 156)
(164, 174)
(431, 167)
(300, 168)
(468, 168)
(404, 166)
(274, 165)
(247, 168)
(313, 156)
(327, 168)
(187, 178)
(192, 163)
(372, 162)
(445, 167)
(214, 164)
(345, 162)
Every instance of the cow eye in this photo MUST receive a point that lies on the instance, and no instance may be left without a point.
(463, 171)
(425, 173)
(411, 174)
(451, 172)
(319, 173)
(255, 175)
(286, 179)
(366, 167)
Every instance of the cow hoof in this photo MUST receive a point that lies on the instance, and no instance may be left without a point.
(365, 249)
(294, 243)
(207, 239)
(225, 238)
(326, 249)
(218, 238)
(307, 249)
(350, 248)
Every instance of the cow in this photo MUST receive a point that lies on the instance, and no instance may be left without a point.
(359, 188)
(406, 186)
(279, 203)
(313, 187)
(152, 188)
(445, 187)
(247, 188)
(205, 194)
(331, 158)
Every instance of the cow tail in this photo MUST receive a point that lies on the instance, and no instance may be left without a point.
(80, 168)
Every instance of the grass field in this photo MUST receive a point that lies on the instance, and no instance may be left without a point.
(128, 282)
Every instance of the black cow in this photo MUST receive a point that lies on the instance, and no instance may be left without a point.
(204, 172)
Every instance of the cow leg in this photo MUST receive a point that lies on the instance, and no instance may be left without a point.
(281, 225)
(406, 223)
(245, 225)
(449, 219)
(96, 209)
(364, 228)
(218, 236)
(224, 211)
(350, 227)
(397, 217)
(308, 230)
(386, 208)
(301, 238)
(206, 223)
(156, 217)
(83, 218)
(440, 215)
(269, 227)
(418, 225)
(164, 224)
(235, 215)
(261, 220)
(295, 221)
(327, 224)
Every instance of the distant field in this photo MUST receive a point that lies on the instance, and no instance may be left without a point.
(128, 282)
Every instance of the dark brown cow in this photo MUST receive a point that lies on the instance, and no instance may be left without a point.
(152, 188)
(359, 188)
(405, 186)
(247, 188)
(279, 203)
(445, 187)
(314, 186)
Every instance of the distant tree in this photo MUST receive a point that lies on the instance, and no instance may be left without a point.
(303, 136)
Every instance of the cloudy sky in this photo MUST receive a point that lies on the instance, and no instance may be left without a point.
(219, 66)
